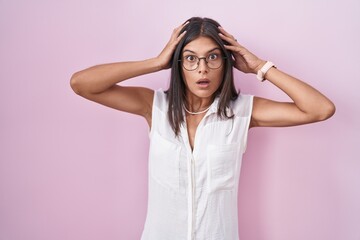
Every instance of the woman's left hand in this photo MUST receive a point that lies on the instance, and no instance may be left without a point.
(245, 61)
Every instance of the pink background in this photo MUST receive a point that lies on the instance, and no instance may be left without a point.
(74, 170)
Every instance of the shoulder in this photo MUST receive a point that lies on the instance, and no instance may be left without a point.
(243, 105)
(160, 99)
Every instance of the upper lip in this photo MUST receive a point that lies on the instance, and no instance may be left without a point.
(203, 80)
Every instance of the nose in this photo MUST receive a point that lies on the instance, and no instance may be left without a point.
(202, 65)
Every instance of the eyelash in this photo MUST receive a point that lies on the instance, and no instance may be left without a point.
(208, 56)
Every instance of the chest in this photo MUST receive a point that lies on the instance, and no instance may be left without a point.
(192, 123)
(207, 149)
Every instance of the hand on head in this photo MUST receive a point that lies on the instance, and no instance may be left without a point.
(245, 61)
(164, 57)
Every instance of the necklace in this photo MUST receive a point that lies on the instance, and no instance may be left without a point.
(196, 113)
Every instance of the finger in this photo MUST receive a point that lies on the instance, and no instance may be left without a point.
(175, 35)
(225, 33)
(179, 28)
(230, 40)
(237, 49)
(227, 36)
(183, 25)
(180, 36)
(222, 30)
(231, 48)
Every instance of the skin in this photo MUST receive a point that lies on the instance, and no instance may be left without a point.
(197, 98)
(99, 84)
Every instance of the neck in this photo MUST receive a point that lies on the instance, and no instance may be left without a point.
(198, 104)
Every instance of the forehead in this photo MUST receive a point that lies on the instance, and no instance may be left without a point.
(201, 45)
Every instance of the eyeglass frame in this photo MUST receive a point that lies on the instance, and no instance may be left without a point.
(198, 63)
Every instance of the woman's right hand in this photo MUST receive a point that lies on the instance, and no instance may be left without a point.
(100, 83)
(164, 57)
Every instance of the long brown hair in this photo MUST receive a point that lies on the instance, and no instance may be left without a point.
(177, 89)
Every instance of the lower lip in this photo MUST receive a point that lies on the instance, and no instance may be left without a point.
(203, 85)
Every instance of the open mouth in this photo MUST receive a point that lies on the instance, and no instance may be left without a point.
(203, 82)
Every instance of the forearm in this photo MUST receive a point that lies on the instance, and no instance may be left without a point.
(99, 78)
(306, 98)
(309, 105)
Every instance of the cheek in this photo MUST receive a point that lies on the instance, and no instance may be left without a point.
(188, 77)
(185, 76)
(219, 77)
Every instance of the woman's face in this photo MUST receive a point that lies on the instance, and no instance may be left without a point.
(204, 80)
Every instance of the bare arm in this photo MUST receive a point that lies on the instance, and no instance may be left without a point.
(308, 105)
(100, 83)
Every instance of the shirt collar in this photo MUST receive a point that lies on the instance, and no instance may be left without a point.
(214, 106)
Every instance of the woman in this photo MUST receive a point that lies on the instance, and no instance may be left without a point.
(198, 127)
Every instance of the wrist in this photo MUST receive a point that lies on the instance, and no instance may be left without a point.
(259, 66)
(263, 70)
(157, 64)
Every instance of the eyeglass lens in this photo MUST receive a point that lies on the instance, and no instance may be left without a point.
(192, 62)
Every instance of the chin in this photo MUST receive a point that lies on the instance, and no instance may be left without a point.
(202, 93)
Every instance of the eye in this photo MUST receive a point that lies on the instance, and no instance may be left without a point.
(213, 56)
(190, 58)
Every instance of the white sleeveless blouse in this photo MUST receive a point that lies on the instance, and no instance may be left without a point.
(193, 194)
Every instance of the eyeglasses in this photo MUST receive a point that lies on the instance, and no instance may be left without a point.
(192, 62)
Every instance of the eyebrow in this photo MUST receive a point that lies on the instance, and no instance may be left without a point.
(216, 48)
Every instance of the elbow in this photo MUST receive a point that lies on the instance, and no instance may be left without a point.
(75, 83)
(327, 111)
